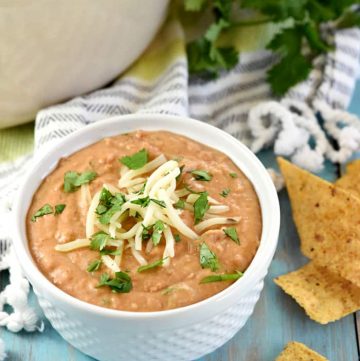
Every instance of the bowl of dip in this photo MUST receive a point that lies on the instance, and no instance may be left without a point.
(147, 237)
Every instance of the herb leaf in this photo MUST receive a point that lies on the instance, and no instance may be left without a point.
(222, 277)
(225, 192)
(151, 265)
(159, 203)
(94, 265)
(201, 206)
(180, 204)
(232, 233)
(143, 202)
(98, 240)
(208, 258)
(120, 284)
(59, 208)
(109, 205)
(233, 175)
(73, 180)
(136, 160)
(44, 210)
(158, 228)
(177, 238)
(201, 175)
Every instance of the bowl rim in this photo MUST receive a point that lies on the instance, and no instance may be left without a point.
(268, 200)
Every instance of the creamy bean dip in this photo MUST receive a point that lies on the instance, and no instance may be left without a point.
(144, 221)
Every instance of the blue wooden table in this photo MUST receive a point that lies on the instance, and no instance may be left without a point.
(277, 318)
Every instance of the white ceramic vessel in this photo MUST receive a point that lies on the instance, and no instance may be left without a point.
(185, 333)
(54, 50)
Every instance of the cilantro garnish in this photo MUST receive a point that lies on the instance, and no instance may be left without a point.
(201, 206)
(222, 277)
(233, 175)
(177, 238)
(159, 203)
(180, 204)
(59, 208)
(44, 210)
(94, 265)
(151, 265)
(73, 180)
(158, 228)
(146, 233)
(225, 192)
(297, 44)
(208, 258)
(109, 205)
(201, 175)
(98, 240)
(137, 160)
(143, 202)
(232, 233)
(120, 284)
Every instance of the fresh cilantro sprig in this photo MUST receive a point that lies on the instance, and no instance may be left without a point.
(135, 161)
(120, 284)
(201, 206)
(73, 180)
(232, 233)
(296, 44)
(48, 209)
(208, 259)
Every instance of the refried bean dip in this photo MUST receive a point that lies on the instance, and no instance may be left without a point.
(144, 221)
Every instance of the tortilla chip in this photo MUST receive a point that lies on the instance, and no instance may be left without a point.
(296, 351)
(324, 296)
(327, 219)
(351, 180)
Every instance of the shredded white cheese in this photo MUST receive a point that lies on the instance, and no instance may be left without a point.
(154, 196)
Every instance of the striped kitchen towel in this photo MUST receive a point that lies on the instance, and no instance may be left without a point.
(239, 102)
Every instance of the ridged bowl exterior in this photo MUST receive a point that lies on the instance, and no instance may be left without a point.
(183, 343)
(184, 333)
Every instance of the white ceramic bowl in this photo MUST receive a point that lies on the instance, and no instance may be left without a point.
(181, 334)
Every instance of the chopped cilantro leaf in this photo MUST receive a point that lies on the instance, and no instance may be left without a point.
(222, 277)
(233, 175)
(201, 206)
(158, 228)
(73, 180)
(44, 210)
(143, 202)
(201, 175)
(110, 252)
(159, 203)
(177, 238)
(110, 206)
(98, 240)
(232, 233)
(146, 234)
(225, 192)
(137, 160)
(94, 265)
(151, 265)
(59, 208)
(120, 284)
(180, 204)
(208, 258)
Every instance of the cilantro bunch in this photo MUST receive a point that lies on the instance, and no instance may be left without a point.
(297, 43)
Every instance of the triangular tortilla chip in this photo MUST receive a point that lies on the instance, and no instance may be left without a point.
(296, 351)
(327, 219)
(351, 180)
(324, 296)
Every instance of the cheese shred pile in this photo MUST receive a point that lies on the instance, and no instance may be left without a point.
(148, 198)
